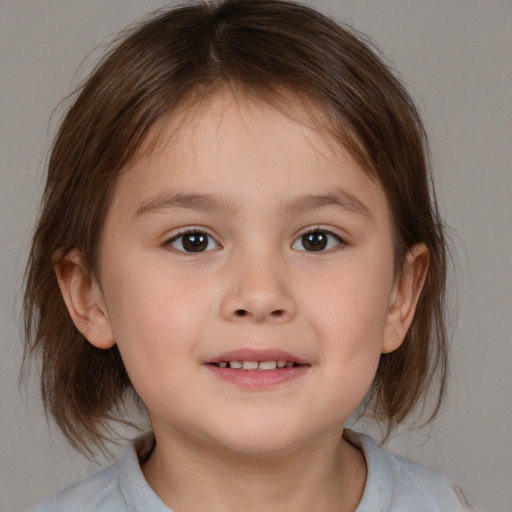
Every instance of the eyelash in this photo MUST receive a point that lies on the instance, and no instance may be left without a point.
(330, 236)
(324, 237)
(191, 231)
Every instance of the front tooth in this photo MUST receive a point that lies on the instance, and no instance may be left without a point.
(250, 365)
(235, 364)
(267, 365)
(281, 364)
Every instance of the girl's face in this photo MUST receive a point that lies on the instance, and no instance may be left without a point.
(245, 236)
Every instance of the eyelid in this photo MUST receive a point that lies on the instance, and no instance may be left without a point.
(315, 229)
(187, 230)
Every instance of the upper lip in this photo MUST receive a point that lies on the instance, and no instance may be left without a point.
(256, 354)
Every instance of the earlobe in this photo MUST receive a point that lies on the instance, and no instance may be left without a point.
(404, 297)
(84, 300)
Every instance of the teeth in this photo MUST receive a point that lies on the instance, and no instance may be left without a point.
(255, 365)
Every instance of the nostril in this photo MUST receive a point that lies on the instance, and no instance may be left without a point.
(277, 313)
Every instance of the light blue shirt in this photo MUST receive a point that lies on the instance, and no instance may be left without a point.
(393, 484)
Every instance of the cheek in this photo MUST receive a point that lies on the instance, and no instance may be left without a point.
(351, 322)
(354, 308)
(155, 321)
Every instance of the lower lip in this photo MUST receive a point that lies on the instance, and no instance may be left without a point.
(258, 379)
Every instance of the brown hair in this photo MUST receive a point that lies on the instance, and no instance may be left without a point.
(262, 47)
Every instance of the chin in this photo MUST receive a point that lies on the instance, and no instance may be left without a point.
(257, 439)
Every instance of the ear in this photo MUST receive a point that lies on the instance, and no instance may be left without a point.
(84, 300)
(404, 297)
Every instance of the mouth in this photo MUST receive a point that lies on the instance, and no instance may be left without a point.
(257, 369)
(256, 365)
(264, 359)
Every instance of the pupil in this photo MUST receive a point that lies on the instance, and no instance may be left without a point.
(195, 242)
(314, 241)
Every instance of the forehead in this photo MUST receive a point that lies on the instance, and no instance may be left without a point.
(210, 110)
(240, 146)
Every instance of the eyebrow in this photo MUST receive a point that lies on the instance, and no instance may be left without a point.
(217, 204)
(201, 202)
(339, 198)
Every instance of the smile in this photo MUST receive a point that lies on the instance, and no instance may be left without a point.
(257, 369)
(255, 365)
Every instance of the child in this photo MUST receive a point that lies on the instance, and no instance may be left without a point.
(239, 231)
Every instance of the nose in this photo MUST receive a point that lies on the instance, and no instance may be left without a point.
(258, 291)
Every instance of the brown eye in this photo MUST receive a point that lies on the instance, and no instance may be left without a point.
(316, 241)
(193, 241)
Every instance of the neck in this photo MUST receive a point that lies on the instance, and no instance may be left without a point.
(326, 475)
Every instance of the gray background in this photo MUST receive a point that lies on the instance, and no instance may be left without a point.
(456, 55)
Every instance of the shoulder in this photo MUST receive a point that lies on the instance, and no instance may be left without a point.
(98, 492)
(118, 488)
(395, 484)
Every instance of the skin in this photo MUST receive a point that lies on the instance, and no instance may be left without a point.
(220, 446)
